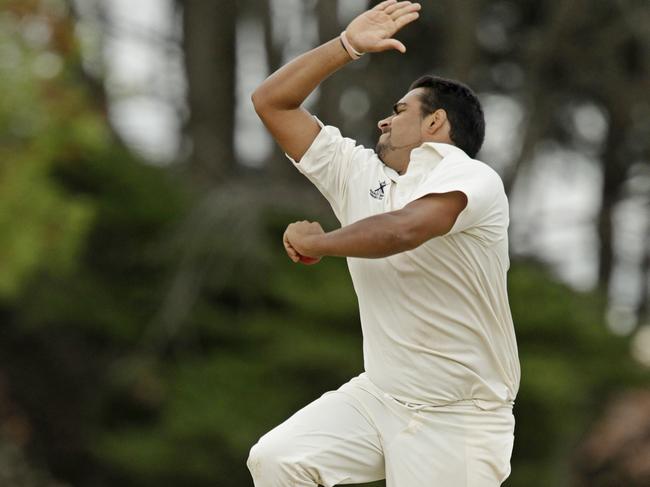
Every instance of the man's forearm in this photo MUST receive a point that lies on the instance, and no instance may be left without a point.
(373, 237)
(381, 235)
(290, 85)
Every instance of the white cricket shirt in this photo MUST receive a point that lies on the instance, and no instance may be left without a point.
(436, 322)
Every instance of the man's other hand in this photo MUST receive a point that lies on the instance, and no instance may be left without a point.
(298, 241)
(372, 31)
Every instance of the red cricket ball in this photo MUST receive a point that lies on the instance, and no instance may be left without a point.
(309, 260)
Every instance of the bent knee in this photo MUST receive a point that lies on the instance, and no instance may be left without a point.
(273, 459)
(265, 458)
(254, 460)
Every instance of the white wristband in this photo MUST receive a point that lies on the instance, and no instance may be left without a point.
(354, 54)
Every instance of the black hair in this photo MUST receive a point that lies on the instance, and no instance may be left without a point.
(463, 108)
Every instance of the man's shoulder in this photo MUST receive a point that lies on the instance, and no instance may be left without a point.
(459, 162)
(488, 172)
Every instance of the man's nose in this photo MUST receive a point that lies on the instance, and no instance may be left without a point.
(383, 125)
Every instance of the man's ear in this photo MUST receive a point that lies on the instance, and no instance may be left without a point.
(436, 121)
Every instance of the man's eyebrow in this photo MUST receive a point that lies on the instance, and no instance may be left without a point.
(397, 105)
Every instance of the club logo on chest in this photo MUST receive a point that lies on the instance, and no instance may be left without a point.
(378, 193)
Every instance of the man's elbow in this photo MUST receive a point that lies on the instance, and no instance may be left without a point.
(263, 105)
(258, 99)
(265, 100)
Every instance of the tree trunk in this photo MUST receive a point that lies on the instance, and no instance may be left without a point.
(462, 46)
(327, 108)
(541, 53)
(209, 47)
(273, 53)
(614, 171)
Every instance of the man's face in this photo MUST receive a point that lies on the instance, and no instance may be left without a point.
(401, 131)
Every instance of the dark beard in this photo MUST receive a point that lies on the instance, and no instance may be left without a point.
(382, 148)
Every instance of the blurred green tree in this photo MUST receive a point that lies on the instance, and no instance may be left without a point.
(41, 226)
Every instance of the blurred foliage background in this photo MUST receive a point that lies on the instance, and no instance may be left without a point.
(151, 327)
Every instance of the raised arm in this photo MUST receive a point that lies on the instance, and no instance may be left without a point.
(279, 98)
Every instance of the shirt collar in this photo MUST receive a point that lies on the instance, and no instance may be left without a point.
(441, 148)
(424, 159)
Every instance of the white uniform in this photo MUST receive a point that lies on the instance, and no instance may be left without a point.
(434, 405)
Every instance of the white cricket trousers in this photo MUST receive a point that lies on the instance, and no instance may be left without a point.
(359, 434)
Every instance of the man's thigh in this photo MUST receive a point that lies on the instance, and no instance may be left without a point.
(463, 447)
(330, 441)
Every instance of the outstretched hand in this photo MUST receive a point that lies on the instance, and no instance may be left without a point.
(372, 31)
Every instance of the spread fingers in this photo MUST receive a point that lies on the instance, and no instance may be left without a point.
(390, 9)
(406, 19)
(383, 5)
(406, 9)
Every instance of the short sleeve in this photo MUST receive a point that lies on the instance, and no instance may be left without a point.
(486, 214)
(328, 164)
